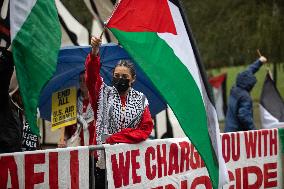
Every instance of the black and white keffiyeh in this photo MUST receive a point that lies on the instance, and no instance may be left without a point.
(112, 117)
(88, 115)
(84, 120)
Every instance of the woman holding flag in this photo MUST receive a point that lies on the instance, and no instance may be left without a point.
(122, 114)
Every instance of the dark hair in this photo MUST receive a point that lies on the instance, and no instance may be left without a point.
(128, 64)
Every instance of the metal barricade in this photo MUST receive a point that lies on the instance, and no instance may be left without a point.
(92, 170)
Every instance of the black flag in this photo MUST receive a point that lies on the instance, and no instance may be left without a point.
(271, 105)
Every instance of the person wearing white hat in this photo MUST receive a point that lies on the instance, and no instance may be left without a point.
(10, 125)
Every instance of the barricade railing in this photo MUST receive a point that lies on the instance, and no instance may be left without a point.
(92, 170)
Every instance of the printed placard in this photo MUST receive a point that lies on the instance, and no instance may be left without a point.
(30, 141)
(64, 108)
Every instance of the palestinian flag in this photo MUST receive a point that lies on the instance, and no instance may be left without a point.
(271, 105)
(155, 34)
(218, 84)
(35, 38)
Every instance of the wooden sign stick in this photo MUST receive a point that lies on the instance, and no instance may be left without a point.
(258, 52)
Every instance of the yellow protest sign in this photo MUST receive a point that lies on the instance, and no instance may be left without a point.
(64, 108)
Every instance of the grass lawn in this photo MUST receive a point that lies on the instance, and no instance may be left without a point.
(256, 92)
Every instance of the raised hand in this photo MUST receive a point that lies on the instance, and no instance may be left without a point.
(95, 43)
(263, 59)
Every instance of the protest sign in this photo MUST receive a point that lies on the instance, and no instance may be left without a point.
(253, 160)
(64, 109)
(30, 141)
(58, 168)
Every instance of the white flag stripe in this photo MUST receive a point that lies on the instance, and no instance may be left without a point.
(19, 11)
(268, 121)
(183, 49)
(180, 44)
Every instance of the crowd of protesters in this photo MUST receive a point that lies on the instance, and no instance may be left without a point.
(102, 109)
(106, 114)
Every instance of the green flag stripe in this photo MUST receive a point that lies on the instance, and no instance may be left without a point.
(281, 137)
(177, 86)
(35, 48)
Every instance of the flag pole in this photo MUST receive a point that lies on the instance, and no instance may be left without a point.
(101, 36)
(267, 64)
(105, 24)
(95, 8)
(258, 52)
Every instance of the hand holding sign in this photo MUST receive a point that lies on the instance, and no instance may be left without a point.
(64, 110)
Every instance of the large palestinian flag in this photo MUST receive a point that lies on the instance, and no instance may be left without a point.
(155, 34)
(35, 38)
(271, 105)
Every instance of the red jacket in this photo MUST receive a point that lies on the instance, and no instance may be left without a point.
(127, 135)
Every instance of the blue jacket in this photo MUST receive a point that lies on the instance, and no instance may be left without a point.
(239, 115)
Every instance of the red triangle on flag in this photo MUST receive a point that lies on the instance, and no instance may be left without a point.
(143, 16)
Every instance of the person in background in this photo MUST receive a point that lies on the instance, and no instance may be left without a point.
(10, 124)
(30, 141)
(81, 134)
(239, 115)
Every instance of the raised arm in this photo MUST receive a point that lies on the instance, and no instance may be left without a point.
(92, 74)
(257, 64)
